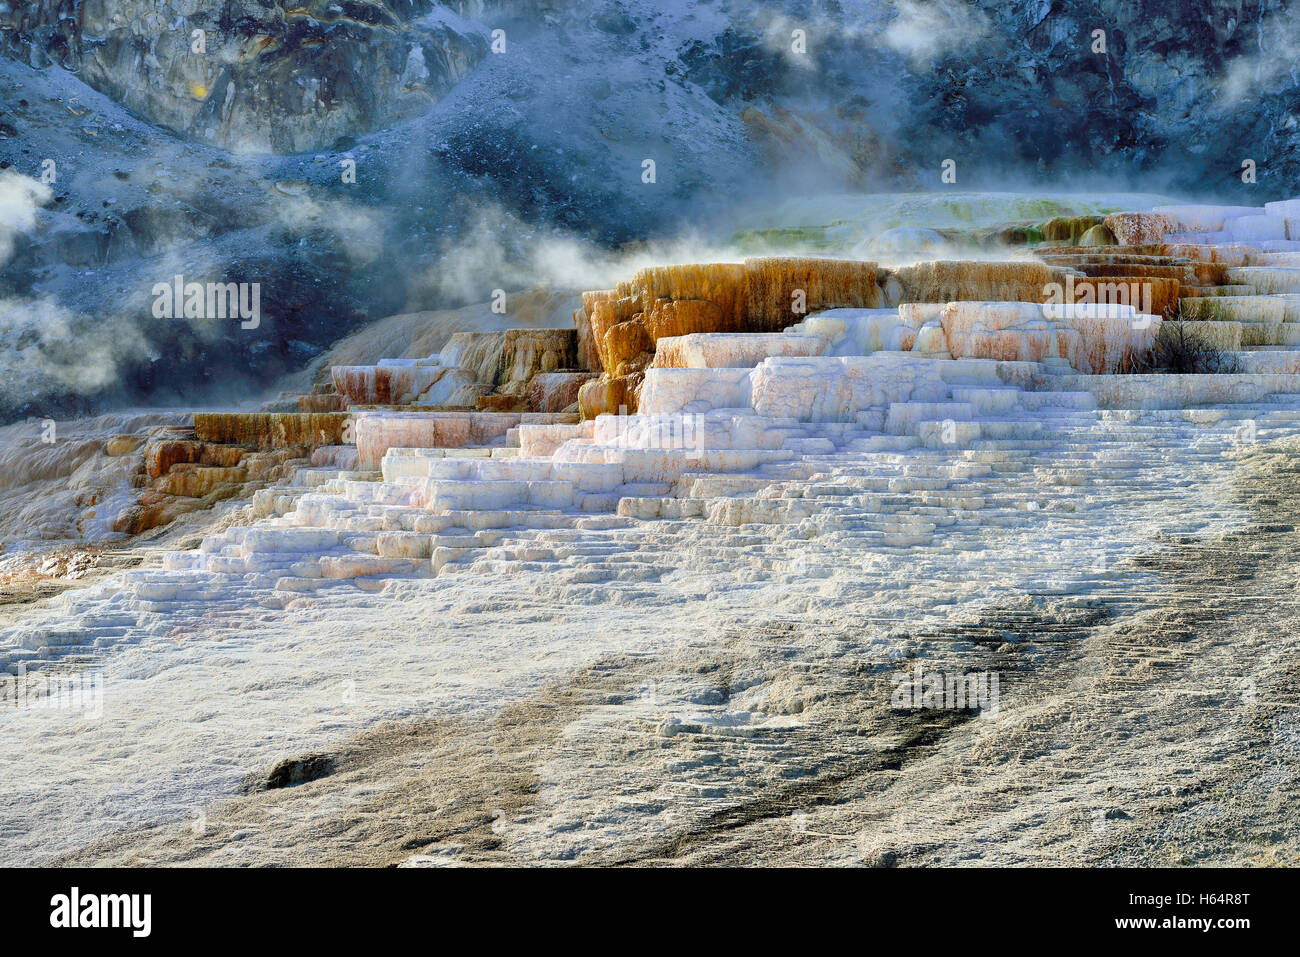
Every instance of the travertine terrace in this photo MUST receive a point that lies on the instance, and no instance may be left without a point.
(765, 443)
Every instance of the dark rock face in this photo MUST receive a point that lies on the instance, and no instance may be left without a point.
(1017, 83)
(1180, 95)
(259, 76)
(290, 772)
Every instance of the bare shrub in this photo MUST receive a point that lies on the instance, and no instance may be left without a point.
(1180, 349)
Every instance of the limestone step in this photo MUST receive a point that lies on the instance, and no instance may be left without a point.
(989, 399)
(903, 417)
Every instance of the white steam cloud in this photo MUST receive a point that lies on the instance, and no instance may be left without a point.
(20, 198)
(49, 346)
(925, 31)
(1272, 62)
(501, 252)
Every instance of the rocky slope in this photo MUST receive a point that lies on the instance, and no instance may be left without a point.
(262, 76)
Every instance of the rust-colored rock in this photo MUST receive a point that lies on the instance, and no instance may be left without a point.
(527, 352)
(556, 391)
(1180, 271)
(155, 509)
(162, 456)
(610, 312)
(1133, 229)
(321, 402)
(771, 285)
(607, 394)
(681, 317)
(120, 445)
(265, 430)
(956, 281)
(501, 403)
(601, 310)
(195, 481)
(624, 342)
(619, 329)
(1150, 296)
(588, 353)
(723, 284)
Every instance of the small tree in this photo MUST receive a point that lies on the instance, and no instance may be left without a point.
(1180, 349)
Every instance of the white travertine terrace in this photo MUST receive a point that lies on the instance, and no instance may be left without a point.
(1273, 227)
(762, 407)
(901, 463)
(745, 428)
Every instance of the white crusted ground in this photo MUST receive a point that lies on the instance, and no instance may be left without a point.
(209, 675)
(212, 673)
(823, 479)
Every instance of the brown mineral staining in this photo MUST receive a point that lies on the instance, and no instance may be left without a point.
(588, 353)
(475, 371)
(1139, 228)
(952, 281)
(501, 403)
(680, 317)
(556, 391)
(265, 430)
(1019, 332)
(1152, 265)
(321, 402)
(196, 481)
(773, 284)
(165, 454)
(181, 476)
(605, 314)
(1150, 296)
(528, 352)
(722, 284)
(120, 445)
(1098, 235)
(1077, 258)
(1210, 274)
(1137, 269)
(156, 509)
(161, 456)
(607, 394)
(623, 342)
(619, 329)
(1228, 255)
(1069, 229)
(364, 384)
(225, 455)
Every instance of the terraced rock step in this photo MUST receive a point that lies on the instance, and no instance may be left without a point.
(925, 436)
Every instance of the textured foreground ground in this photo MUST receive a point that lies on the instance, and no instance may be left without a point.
(465, 635)
(1147, 715)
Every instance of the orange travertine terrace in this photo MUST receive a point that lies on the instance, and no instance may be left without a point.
(482, 389)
